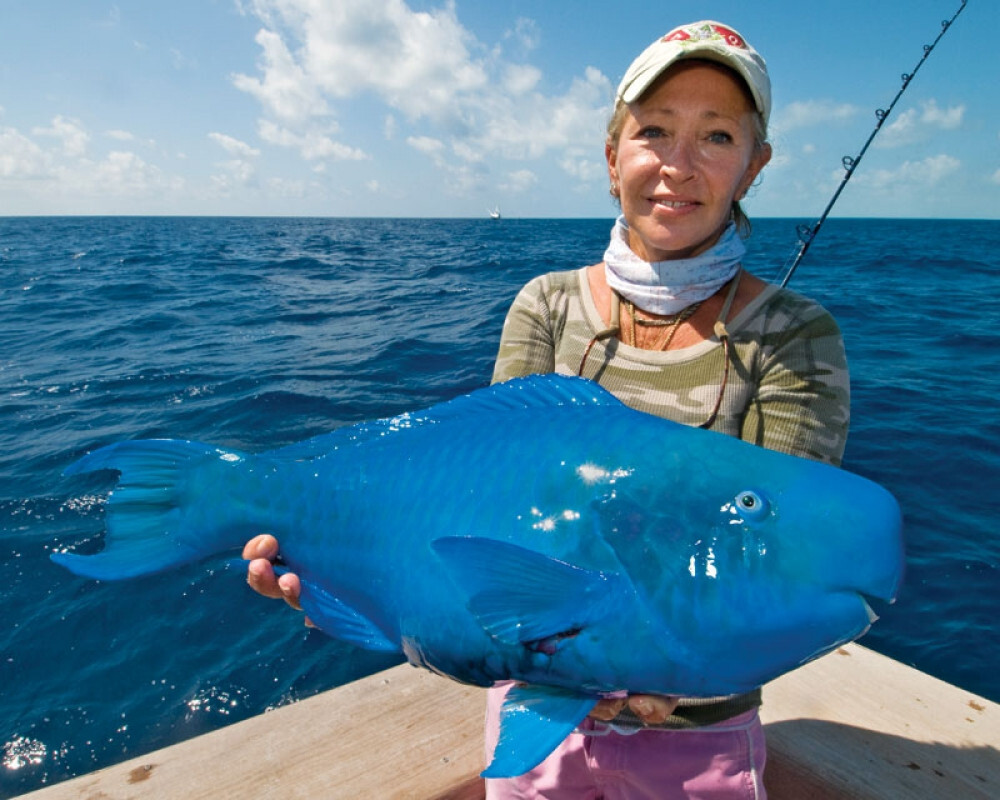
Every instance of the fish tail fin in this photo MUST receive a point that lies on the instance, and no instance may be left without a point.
(154, 519)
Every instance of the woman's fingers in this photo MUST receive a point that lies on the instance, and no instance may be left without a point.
(607, 710)
(261, 577)
(290, 588)
(652, 709)
(261, 552)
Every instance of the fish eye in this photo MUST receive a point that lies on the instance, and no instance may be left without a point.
(751, 506)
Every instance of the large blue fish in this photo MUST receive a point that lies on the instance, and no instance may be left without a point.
(537, 530)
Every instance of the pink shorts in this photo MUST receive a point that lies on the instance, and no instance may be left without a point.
(724, 761)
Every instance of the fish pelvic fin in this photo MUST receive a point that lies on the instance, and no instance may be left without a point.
(337, 618)
(533, 721)
(154, 519)
(521, 596)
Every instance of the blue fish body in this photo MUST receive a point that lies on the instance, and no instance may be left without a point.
(538, 530)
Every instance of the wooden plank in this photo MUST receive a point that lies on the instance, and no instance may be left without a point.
(858, 725)
(403, 733)
(851, 726)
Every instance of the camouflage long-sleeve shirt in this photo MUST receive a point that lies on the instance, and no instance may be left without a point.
(788, 387)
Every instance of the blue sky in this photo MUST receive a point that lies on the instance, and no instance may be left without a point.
(413, 108)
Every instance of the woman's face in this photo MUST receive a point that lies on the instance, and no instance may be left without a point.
(686, 151)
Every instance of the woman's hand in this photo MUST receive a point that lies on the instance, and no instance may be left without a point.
(652, 709)
(261, 552)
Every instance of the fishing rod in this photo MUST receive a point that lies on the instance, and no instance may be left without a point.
(807, 233)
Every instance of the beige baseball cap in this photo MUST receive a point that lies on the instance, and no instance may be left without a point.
(707, 40)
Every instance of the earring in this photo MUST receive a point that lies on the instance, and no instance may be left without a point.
(615, 192)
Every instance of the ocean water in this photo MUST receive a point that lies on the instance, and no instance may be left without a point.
(255, 333)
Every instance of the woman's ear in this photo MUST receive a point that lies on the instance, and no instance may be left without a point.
(758, 161)
(611, 155)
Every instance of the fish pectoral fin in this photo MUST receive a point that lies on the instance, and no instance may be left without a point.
(335, 617)
(533, 721)
(521, 596)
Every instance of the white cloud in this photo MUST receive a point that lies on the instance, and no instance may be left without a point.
(119, 176)
(809, 113)
(181, 61)
(20, 157)
(532, 126)
(36, 171)
(311, 144)
(288, 188)
(520, 180)
(123, 173)
(924, 173)
(583, 168)
(996, 177)
(525, 33)
(427, 145)
(946, 119)
(468, 151)
(913, 125)
(417, 62)
(235, 176)
(240, 171)
(426, 68)
(74, 138)
(129, 138)
(286, 91)
(234, 146)
(900, 131)
(521, 78)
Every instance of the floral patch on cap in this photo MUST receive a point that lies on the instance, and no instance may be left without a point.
(706, 32)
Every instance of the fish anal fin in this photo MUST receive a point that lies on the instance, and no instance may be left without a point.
(533, 721)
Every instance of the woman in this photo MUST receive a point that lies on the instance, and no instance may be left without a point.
(671, 324)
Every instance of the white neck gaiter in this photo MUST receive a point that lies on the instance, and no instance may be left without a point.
(668, 287)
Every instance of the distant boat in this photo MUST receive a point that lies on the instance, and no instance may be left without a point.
(494, 212)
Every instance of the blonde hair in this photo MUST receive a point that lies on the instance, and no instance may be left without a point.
(620, 113)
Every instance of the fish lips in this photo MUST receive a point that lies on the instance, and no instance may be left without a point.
(857, 542)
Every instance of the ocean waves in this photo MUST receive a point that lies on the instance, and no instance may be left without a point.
(256, 333)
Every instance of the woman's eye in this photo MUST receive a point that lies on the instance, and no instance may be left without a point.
(651, 132)
(720, 137)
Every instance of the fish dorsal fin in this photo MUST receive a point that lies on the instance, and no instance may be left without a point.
(347, 437)
(317, 446)
(529, 392)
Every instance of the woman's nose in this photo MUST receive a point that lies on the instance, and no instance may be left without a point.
(677, 162)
